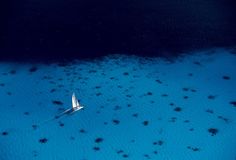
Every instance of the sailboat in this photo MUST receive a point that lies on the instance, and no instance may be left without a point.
(75, 104)
(75, 107)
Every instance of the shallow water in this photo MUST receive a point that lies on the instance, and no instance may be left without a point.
(135, 108)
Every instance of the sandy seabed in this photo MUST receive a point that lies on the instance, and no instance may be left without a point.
(135, 108)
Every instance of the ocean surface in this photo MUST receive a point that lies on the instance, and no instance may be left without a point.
(88, 28)
(134, 108)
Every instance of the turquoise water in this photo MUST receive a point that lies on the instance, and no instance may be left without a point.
(135, 108)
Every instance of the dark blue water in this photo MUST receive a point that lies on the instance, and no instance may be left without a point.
(61, 29)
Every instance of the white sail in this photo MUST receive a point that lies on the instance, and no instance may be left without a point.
(77, 103)
(74, 101)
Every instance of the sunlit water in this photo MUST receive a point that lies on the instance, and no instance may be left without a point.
(135, 108)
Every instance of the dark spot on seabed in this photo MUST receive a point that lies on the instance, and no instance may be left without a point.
(185, 89)
(160, 82)
(213, 131)
(223, 118)
(211, 97)
(56, 117)
(197, 63)
(145, 123)
(98, 140)
(173, 119)
(119, 151)
(98, 94)
(97, 87)
(191, 129)
(152, 102)
(226, 77)
(82, 131)
(2, 84)
(33, 69)
(26, 113)
(193, 148)
(4, 133)
(126, 73)
(160, 143)
(185, 97)
(53, 90)
(72, 138)
(209, 111)
(96, 148)
(117, 108)
(178, 109)
(119, 86)
(115, 121)
(128, 95)
(125, 155)
(147, 156)
(57, 102)
(164, 95)
(43, 140)
(61, 124)
(233, 103)
(186, 121)
(34, 126)
(149, 93)
(9, 93)
(12, 72)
